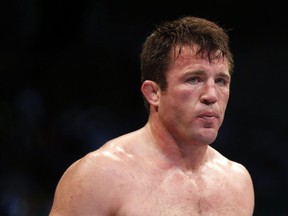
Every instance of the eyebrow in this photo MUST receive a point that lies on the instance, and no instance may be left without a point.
(201, 72)
(224, 75)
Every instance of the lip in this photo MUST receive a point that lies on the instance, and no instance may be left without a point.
(208, 116)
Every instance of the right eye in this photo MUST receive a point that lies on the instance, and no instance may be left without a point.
(194, 80)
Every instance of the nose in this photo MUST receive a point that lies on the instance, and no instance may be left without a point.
(209, 95)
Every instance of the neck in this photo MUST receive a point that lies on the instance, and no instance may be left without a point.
(185, 156)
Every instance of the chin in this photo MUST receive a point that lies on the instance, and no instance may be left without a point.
(208, 137)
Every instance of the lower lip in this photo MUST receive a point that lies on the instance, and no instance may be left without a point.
(208, 118)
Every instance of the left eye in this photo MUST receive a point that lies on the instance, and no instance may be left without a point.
(221, 82)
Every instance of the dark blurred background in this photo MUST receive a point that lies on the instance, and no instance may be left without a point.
(70, 80)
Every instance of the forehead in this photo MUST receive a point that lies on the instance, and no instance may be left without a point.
(190, 55)
(188, 51)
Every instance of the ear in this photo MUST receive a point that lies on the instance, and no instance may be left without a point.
(150, 91)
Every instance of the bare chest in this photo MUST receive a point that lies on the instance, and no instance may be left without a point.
(175, 194)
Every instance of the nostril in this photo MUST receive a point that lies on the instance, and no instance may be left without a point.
(208, 102)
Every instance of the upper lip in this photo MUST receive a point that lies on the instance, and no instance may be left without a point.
(208, 114)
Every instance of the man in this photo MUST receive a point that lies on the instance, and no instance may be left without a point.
(167, 167)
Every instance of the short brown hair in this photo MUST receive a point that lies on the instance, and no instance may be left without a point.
(188, 30)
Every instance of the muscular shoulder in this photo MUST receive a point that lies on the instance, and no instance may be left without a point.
(91, 184)
(228, 165)
(238, 180)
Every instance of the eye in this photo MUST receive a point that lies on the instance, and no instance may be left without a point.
(221, 82)
(194, 80)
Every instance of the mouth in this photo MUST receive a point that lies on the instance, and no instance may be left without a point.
(208, 116)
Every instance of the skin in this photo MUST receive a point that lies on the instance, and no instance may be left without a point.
(168, 167)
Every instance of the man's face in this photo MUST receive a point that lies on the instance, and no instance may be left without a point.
(194, 103)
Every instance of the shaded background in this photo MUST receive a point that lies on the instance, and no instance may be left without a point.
(70, 80)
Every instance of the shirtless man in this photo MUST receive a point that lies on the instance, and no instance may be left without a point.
(168, 167)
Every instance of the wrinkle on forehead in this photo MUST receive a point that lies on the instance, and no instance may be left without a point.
(188, 51)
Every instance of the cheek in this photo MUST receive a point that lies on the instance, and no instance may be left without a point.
(183, 100)
(224, 101)
(226, 96)
(223, 94)
(172, 103)
(186, 95)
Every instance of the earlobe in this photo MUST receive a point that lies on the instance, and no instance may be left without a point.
(150, 91)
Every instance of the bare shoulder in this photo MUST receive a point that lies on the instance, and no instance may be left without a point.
(239, 180)
(89, 183)
(234, 168)
(241, 176)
